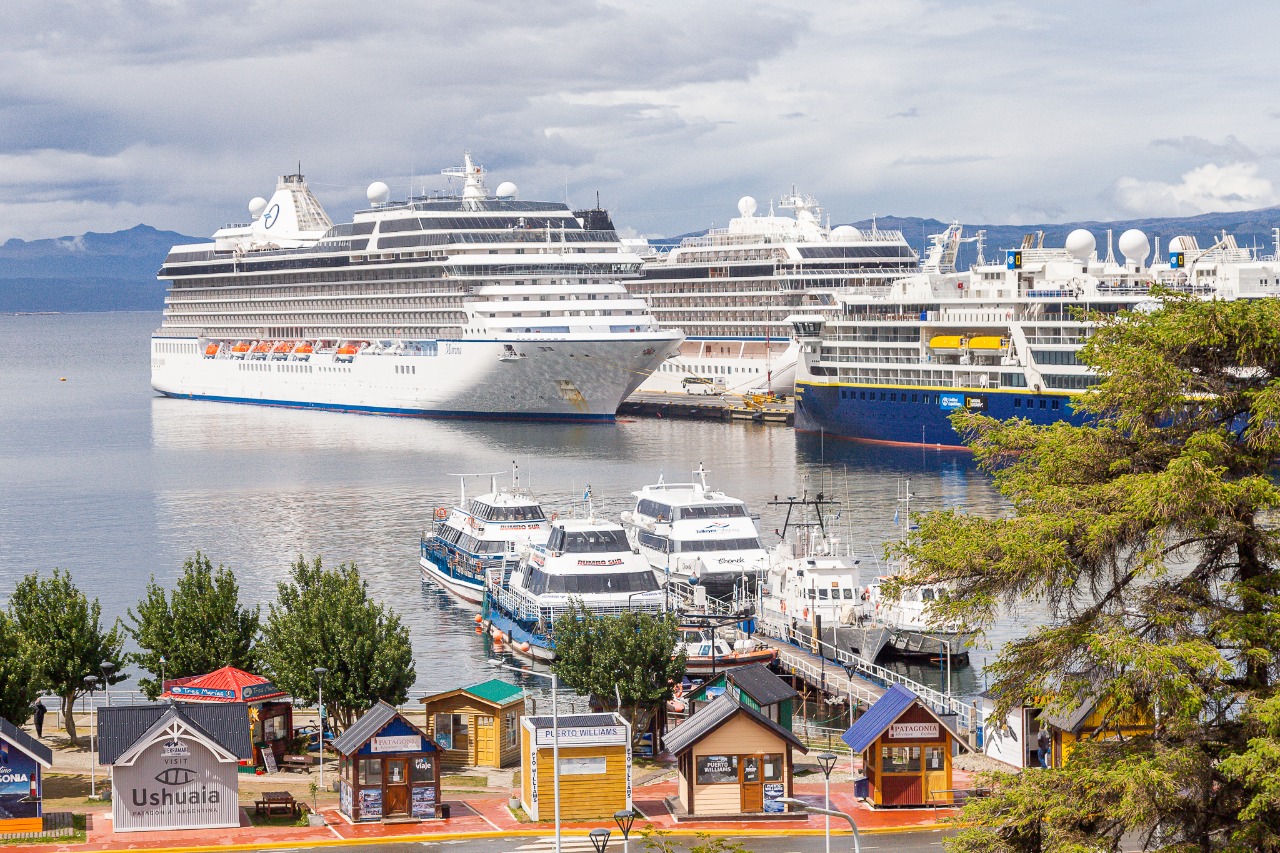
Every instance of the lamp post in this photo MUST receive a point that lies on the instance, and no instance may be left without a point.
(599, 839)
(106, 666)
(624, 819)
(827, 761)
(555, 736)
(91, 681)
(162, 663)
(801, 804)
(320, 672)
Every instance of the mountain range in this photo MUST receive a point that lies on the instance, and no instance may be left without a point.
(116, 272)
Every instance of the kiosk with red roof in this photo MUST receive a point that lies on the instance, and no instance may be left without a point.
(272, 720)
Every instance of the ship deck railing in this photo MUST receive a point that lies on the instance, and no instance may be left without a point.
(524, 610)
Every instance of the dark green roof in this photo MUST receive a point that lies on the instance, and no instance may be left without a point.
(496, 691)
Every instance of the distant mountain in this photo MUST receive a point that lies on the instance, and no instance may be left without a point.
(91, 272)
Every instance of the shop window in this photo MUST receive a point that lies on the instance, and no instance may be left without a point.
(451, 731)
(370, 772)
(423, 770)
(773, 768)
(934, 759)
(396, 772)
(273, 729)
(900, 759)
(714, 769)
(510, 728)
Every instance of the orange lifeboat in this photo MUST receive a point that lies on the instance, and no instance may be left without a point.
(211, 350)
(347, 349)
(264, 346)
(241, 348)
(304, 348)
(283, 347)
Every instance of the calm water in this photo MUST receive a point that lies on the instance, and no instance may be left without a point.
(101, 477)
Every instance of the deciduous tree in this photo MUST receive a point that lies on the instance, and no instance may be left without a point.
(1148, 538)
(63, 630)
(198, 628)
(17, 674)
(325, 618)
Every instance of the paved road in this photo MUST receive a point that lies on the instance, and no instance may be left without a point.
(929, 841)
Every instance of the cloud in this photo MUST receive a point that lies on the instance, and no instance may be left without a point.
(1230, 150)
(913, 112)
(940, 160)
(1205, 189)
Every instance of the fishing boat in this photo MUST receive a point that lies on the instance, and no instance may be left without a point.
(481, 534)
(707, 652)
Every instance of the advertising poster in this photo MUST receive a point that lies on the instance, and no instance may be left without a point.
(370, 803)
(424, 802)
(773, 794)
(17, 773)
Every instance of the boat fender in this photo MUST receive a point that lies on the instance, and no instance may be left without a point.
(524, 647)
(806, 613)
(441, 513)
(478, 618)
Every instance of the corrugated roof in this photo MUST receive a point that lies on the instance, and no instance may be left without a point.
(228, 679)
(120, 726)
(372, 722)
(25, 742)
(573, 721)
(878, 718)
(1072, 721)
(495, 690)
(715, 714)
(760, 684)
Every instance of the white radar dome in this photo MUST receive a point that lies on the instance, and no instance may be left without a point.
(257, 204)
(1080, 244)
(378, 193)
(1134, 246)
(1178, 244)
(845, 232)
(747, 206)
(506, 189)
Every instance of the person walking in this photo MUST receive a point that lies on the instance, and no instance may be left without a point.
(39, 710)
(1045, 744)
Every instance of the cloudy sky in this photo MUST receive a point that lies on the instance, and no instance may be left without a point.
(116, 112)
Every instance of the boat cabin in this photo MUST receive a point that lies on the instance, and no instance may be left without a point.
(731, 760)
(388, 769)
(754, 686)
(476, 726)
(906, 751)
(22, 757)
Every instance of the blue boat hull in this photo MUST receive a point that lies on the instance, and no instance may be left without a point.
(917, 415)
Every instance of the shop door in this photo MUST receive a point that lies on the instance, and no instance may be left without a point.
(485, 742)
(935, 776)
(752, 784)
(395, 797)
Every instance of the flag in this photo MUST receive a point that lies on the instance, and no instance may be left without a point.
(895, 516)
(586, 493)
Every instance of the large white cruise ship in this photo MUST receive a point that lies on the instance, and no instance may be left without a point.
(473, 305)
(732, 289)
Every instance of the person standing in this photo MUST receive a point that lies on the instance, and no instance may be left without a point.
(1045, 744)
(39, 710)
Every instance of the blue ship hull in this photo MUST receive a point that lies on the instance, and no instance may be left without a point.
(539, 646)
(906, 415)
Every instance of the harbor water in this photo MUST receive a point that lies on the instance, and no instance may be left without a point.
(101, 477)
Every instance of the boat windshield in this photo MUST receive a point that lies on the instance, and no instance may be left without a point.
(713, 511)
(689, 545)
(506, 513)
(541, 582)
(587, 541)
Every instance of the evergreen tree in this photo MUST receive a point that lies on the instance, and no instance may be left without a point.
(200, 627)
(325, 618)
(1148, 539)
(631, 655)
(64, 633)
(17, 674)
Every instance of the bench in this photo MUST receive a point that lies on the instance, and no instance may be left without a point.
(270, 802)
(296, 762)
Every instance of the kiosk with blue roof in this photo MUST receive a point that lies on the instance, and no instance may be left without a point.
(388, 769)
(906, 751)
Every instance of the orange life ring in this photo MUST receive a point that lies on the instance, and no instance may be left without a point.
(441, 513)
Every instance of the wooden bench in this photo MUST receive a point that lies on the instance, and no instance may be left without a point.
(270, 802)
(296, 762)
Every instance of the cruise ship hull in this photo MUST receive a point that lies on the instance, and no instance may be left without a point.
(916, 415)
(731, 374)
(573, 378)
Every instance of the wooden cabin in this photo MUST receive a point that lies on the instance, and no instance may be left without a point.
(387, 769)
(754, 686)
(270, 712)
(731, 760)
(594, 767)
(476, 726)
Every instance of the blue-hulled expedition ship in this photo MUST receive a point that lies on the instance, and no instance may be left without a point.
(1001, 339)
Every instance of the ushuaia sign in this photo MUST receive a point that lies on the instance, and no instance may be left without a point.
(175, 784)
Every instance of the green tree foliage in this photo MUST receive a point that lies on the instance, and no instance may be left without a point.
(17, 674)
(199, 628)
(325, 618)
(632, 655)
(1149, 541)
(64, 633)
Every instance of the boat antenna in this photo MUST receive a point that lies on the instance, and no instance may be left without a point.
(515, 474)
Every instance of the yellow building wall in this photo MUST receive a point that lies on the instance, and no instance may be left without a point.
(1128, 727)
(581, 796)
(739, 736)
(473, 709)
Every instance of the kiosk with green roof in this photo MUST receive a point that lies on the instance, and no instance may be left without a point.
(477, 726)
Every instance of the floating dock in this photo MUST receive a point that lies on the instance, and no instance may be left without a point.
(709, 407)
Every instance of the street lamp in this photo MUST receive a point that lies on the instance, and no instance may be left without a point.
(162, 663)
(827, 761)
(599, 839)
(91, 681)
(320, 672)
(106, 666)
(624, 819)
(555, 736)
(801, 804)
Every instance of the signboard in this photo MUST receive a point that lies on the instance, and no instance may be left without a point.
(975, 402)
(253, 691)
(175, 784)
(19, 781)
(773, 793)
(424, 802)
(269, 760)
(344, 798)
(1177, 260)
(1013, 259)
(951, 401)
(204, 692)
(370, 803)
(396, 743)
(584, 736)
(583, 766)
(914, 730)
(714, 769)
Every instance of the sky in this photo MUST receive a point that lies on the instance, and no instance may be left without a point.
(175, 114)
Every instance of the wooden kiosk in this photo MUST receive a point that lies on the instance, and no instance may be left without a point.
(387, 769)
(906, 751)
(731, 760)
(476, 726)
(21, 759)
(595, 766)
(753, 685)
(271, 718)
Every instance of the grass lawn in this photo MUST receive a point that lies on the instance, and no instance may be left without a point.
(464, 781)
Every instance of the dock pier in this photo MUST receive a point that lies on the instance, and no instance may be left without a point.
(707, 407)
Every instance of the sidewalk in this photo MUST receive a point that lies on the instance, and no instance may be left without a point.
(482, 816)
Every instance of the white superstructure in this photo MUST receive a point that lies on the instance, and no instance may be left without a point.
(474, 304)
(731, 290)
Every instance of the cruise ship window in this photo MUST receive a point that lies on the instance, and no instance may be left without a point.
(1055, 404)
(913, 398)
(893, 397)
(1042, 404)
(1017, 402)
(881, 396)
(862, 395)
